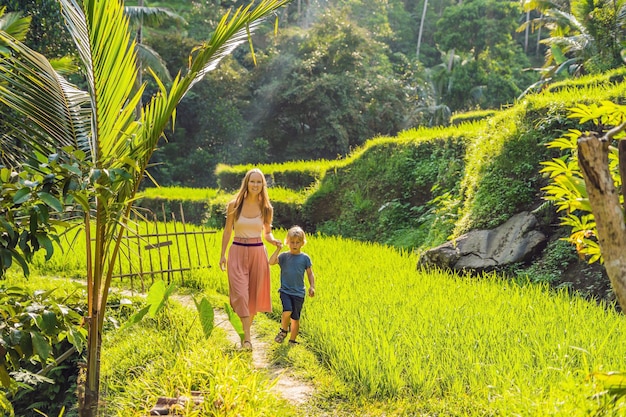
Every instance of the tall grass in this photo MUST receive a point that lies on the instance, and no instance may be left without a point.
(471, 346)
(170, 357)
(430, 342)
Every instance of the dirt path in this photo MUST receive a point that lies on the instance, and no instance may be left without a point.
(284, 383)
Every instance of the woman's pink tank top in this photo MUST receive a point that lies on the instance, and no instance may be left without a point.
(248, 227)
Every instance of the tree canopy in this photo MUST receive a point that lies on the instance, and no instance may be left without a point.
(317, 92)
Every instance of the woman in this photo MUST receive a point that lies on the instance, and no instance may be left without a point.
(249, 215)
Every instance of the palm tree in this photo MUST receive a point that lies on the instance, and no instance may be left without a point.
(14, 24)
(421, 30)
(99, 128)
(143, 15)
(584, 35)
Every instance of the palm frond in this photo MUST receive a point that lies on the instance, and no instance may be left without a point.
(113, 58)
(150, 58)
(567, 19)
(107, 54)
(233, 30)
(151, 16)
(15, 24)
(65, 65)
(48, 112)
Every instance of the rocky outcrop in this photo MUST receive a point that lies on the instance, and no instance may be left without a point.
(514, 241)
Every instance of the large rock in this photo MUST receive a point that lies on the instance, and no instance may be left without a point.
(513, 241)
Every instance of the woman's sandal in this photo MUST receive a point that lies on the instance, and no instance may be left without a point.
(281, 336)
(246, 345)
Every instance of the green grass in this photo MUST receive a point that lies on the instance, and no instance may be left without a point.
(320, 166)
(170, 357)
(469, 346)
(385, 338)
(179, 193)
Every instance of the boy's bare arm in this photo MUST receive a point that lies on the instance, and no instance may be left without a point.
(311, 276)
(274, 257)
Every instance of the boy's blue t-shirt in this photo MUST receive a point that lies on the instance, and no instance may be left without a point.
(292, 269)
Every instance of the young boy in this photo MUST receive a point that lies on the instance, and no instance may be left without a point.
(293, 264)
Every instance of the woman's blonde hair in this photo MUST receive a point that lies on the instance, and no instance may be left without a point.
(296, 231)
(264, 199)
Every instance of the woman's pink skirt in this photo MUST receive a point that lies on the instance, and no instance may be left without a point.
(249, 279)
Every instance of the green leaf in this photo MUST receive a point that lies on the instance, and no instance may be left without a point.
(5, 378)
(234, 320)
(5, 175)
(81, 199)
(72, 168)
(15, 337)
(20, 259)
(48, 322)
(157, 296)
(6, 258)
(51, 201)
(40, 345)
(46, 243)
(77, 337)
(207, 316)
(136, 318)
(7, 227)
(22, 195)
(26, 344)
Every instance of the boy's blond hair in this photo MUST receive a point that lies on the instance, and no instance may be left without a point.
(295, 231)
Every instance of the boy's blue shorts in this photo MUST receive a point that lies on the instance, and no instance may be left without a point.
(292, 303)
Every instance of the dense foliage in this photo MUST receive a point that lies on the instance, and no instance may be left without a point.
(338, 73)
(423, 186)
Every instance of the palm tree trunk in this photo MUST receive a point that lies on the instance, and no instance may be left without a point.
(94, 337)
(526, 32)
(89, 407)
(538, 41)
(419, 35)
(450, 59)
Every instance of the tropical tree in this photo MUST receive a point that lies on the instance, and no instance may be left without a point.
(326, 92)
(588, 185)
(100, 129)
(46, 34)
(585, 36)
(144, 15)
(15, 24)
(477, 25)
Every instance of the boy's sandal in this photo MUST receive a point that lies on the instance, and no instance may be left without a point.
(281, 336)
(293, 342)
(246, 345)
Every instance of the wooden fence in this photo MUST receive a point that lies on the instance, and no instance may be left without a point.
(167, 251)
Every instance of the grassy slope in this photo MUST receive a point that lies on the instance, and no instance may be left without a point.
(386, 339)
(425, 185)
(401, 342)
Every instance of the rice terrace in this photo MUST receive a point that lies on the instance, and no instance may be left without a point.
(380, 339)
(405, 139)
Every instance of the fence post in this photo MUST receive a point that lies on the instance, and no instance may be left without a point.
(180, 259)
